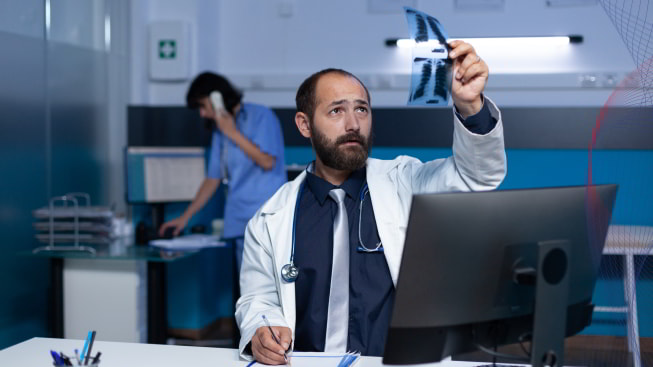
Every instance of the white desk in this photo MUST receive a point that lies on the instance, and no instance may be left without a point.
(108, 286)
(629, 241)
(36, 353)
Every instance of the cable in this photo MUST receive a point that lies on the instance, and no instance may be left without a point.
(494, 357)
(521, 343)
(501, 355)
(495, 354)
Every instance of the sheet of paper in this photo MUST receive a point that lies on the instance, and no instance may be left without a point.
(189, 242)
(317, 359)
(431, 67)
(173, 178)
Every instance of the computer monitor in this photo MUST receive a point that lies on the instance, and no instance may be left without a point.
(160, 175)
(163, 174)
(484, 269)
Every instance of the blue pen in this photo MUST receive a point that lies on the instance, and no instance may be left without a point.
(267, 323)
(90, 347)
(57, 360)
(88, 340)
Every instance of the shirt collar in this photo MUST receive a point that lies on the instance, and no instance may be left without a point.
(320, 187)
(242, 114)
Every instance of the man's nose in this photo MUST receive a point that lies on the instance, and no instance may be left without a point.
(351, 122)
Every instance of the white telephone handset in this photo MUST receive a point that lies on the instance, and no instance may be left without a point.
(217, 102)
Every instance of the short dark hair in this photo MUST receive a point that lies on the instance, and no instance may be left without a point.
(207, 82)
(306, 100)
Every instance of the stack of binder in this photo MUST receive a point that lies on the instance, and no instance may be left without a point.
(68, 222)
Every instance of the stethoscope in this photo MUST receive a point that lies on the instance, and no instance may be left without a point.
(290, 271)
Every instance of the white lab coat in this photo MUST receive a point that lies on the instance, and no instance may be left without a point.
(478, 163)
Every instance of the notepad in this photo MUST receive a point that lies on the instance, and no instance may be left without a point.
(318, 359)
(189, 242)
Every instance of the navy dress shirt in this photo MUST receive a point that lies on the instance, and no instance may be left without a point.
(371, 291)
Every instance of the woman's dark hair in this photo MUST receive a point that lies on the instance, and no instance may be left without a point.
(306, 100)
(207, 82)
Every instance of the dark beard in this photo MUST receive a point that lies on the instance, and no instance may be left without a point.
(344, 159)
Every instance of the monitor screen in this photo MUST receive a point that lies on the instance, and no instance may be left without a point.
(163, 174)
(457, 289)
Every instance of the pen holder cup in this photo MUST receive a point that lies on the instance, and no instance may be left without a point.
(84, 365)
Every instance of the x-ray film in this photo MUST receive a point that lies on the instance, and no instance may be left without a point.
(432, 69)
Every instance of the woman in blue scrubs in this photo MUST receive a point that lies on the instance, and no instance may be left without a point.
(246, 149)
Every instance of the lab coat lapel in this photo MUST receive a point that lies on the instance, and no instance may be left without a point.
(279, 226)
(386, 206)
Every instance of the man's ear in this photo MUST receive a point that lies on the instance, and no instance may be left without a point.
(301, 120)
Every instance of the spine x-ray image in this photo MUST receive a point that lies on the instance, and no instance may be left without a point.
(432, 69)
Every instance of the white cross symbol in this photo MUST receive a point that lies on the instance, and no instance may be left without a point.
(166, 50)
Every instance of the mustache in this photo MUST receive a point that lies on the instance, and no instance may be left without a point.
(351, 137)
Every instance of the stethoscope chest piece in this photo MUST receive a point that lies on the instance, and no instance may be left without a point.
(289, 273)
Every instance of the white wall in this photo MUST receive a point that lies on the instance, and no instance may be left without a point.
(203, 17)
(267, 47)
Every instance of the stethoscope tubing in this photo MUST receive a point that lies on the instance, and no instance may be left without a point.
(289, 272)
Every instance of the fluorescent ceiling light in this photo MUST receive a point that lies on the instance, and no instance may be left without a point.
(498, 42)
(47, 19)
(107, 33)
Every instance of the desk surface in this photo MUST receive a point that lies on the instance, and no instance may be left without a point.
(629, 240)
(118, 250)
(36, 353)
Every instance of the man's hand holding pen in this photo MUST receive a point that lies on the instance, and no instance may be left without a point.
(271, 343)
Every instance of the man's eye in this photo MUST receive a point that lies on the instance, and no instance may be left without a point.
(361, 109)
(335, 110)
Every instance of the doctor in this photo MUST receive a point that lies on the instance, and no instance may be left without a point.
(292, 270)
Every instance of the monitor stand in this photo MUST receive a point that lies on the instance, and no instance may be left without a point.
(158, 216)
(551, 282)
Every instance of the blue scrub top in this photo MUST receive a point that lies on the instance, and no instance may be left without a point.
(249, 184)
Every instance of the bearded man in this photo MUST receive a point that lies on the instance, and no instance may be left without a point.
(322, 256)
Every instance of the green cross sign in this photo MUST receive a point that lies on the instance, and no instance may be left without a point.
(167, 49)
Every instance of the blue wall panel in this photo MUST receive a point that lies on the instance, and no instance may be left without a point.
(79, 124)
(53, 140)
(23, 187)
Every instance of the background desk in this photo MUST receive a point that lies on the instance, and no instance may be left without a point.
(87, 287)
(629, 241)
(36, 353)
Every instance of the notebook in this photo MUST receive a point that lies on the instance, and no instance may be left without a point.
(318, 359)
(189, 242)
